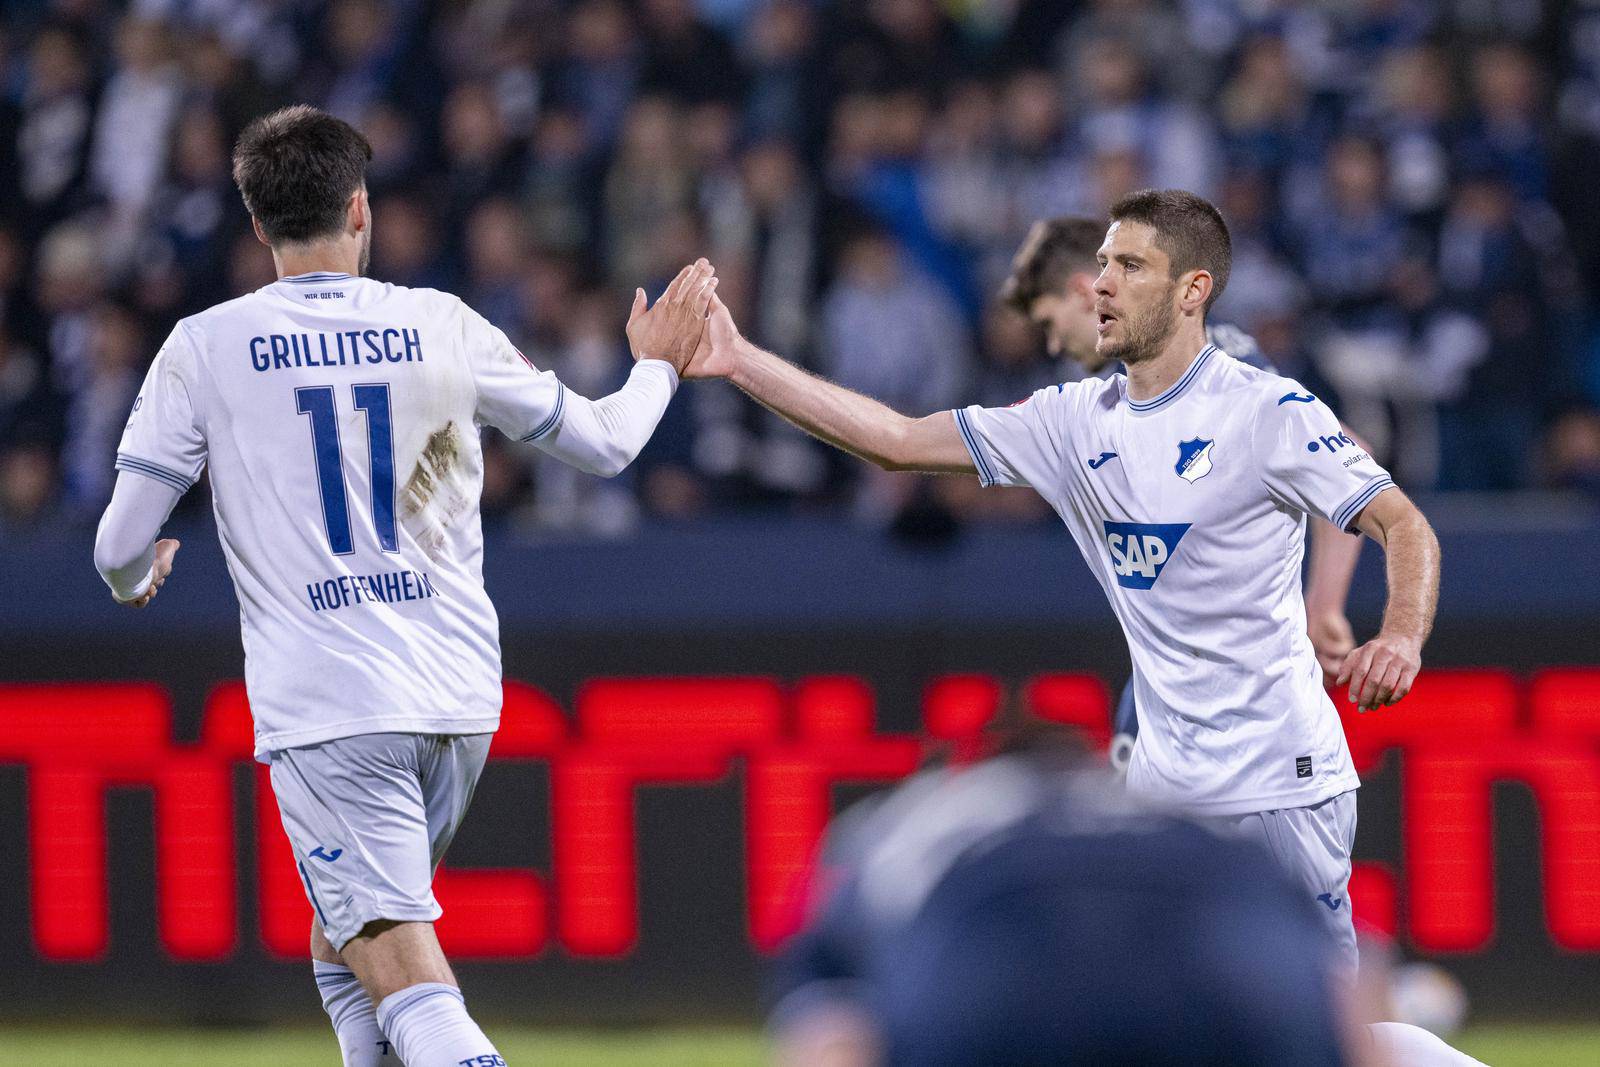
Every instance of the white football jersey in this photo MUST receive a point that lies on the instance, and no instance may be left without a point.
(1190, 509)
(340, 419)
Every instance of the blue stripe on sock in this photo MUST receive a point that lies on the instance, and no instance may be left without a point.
(410, 998)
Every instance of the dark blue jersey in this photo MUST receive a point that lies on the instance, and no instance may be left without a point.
(1016, 913)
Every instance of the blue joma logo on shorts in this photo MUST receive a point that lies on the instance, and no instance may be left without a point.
(318, 854)
(1139, 550)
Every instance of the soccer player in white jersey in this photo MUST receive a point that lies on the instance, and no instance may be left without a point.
(340, 417)
(1052, 284)
(1186, 483)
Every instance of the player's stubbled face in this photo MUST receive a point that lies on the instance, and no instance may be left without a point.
(1134, 305)
(366, 249)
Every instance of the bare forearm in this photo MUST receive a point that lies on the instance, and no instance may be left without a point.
(845, 419)
(1334, 555)
(1412, 552)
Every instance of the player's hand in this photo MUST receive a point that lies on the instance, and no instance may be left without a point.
(166, 548)
(1381, 671)
(672, 328)
(718, 351)
(1331, 638)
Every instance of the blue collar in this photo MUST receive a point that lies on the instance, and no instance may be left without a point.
(1176, 389)
(317, 276)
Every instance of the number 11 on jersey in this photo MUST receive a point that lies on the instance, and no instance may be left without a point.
(317, 401)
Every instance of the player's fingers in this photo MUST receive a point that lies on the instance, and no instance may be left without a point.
(640, 301)
(1374, 681)
(1354, 667)
(702, 298)
(1347, 671)
(1408, 678)
(700, 271)
(704, 275)
(677, 283)
(1386, 685)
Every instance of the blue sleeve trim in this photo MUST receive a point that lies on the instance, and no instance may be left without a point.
(554, 418)
(986, 476)
(1347, 514)
(134, 465)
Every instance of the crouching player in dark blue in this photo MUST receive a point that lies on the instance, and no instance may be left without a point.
(1020, 912)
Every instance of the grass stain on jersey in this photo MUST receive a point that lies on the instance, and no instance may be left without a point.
(436, 493)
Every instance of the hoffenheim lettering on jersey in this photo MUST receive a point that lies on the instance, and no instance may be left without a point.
(1197, 533)
(346, 470)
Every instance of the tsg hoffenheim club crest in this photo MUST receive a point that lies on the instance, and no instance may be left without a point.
(1194, 459)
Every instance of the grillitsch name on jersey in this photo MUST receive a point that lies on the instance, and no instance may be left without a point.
(389, 587)
(278, 351)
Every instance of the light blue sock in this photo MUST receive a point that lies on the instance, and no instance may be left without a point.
(355, 1022)
(430, 1027)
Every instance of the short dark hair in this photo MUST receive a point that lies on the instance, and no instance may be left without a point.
(296, 169)
(1188, 229)
(1052, 252)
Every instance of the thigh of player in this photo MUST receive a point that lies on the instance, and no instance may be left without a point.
(366, 817)
(1312, 846)
(450, 771)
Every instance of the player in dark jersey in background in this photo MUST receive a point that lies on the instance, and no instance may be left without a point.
(1021, 911)
(1052, 284)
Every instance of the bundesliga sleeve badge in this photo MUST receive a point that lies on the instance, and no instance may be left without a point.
(1194, 459)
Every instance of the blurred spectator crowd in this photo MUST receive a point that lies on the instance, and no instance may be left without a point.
(1408, 184)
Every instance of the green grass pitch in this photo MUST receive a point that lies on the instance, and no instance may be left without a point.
(1521, 1045)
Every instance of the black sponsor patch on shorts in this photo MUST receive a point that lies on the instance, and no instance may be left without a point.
(1302, 767)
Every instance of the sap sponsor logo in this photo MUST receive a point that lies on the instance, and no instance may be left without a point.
(1140, 550)
(1194, 459)
(1331, 442)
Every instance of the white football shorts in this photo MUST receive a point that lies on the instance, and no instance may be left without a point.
(1312, 846)
(369, 818)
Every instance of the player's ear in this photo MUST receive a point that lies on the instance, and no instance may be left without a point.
(1196, 291)
(359, 213)
(261, 235)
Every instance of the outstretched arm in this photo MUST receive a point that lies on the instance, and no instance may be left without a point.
(596, 436)
(845, 419)
(1382, 670)
(603, 436)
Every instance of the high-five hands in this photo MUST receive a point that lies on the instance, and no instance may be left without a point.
(671, 330)
(166, 548)
(717, 354)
